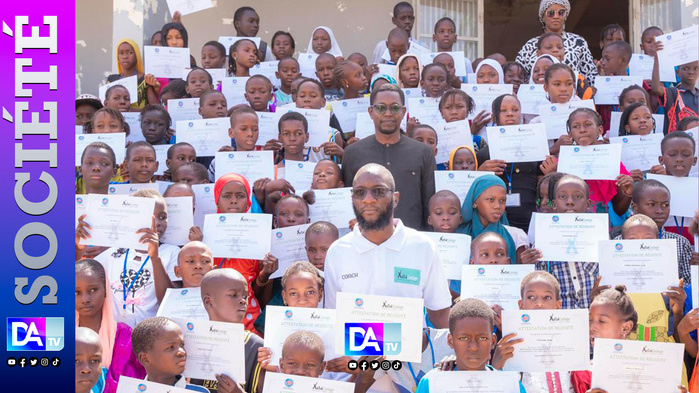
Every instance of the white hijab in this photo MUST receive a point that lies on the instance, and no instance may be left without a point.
(334, 47)
(496, 66)
(531, 74)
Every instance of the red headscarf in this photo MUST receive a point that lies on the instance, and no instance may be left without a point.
(225, 179)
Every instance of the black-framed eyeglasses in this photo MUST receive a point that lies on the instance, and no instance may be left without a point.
(381, 108)
(551, 13)
(377, 193)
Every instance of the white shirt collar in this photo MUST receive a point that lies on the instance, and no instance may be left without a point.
(395, 242)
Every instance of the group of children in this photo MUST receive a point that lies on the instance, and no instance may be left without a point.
(119, 290)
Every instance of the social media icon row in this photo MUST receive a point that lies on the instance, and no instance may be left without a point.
(374, 365)
(33, 362)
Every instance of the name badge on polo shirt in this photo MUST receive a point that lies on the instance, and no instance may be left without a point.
(403, 275)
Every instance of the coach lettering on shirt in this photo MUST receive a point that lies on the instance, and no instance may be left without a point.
(374, 258)
(410, 162)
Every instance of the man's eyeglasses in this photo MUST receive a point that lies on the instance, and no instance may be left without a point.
(381, 109)
(377, 193)
(551, 13)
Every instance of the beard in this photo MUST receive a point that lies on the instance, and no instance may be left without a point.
(385, 218)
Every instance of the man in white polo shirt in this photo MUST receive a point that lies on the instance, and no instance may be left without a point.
(380, 258)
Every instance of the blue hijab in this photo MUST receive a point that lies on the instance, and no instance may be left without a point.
(471, 224)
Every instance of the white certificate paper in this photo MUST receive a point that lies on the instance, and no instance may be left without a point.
(684, 193)
(609, 88)
(458, 182)
(299, 173)
(187, 7)
(641, 65)
(474, 382)
(268, 127)
(206, 135)
(531, 97)
(278, 382)
(494, 284)
(570, 237)
(182, 109)
(555, 116)
(161, 157)
(80, 207)
(644, 266)
(116, 218)
(204, 202)
(180, 219)
(364, 126)
(484, 95)
(289, 246)
(554, 340)
(454, 251)
(281, 322)
(402, 344)
(333, 205)
(425, 109)
(234, 90)
(639, 151)
(236, 235)
(594, 162)
(346, 111)
(183, 303)
(450, 136)
(458, 58)
(213, 348)
(252, 165)
(128, 188)
(117, 141)
(519, 143)
(267, 69)
(166, 61)
(134, 122)
(307, 64)
(318, 124)
(132, 385)
(615, 120)
(680, 47)
(129, 83)
(637, 366)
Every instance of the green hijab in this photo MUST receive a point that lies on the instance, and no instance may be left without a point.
(471, 224)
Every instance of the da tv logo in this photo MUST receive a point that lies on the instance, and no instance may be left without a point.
(372, 339)
(35, 334)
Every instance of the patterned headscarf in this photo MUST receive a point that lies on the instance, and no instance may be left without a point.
(545, 4)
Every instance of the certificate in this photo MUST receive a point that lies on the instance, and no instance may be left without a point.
(116, 218)
(128, 188)
(166, 61)
(519, 143)
(641, 65)
(399, 318)
(268, 127)
(554, 340)
(307, 64)
(238, 235)
(80, 207)
(183, 109)
(183, 303)
(594, 162)
(644, 266)
(458, 182)
(161, 157)
(458, 58)
(694, 133)
(234, 90)
(639, 151)
(450, 136)
(346, 111)
(252, 165)
(289, 246)
(333, 205)
(684, 192)
(494, 284)
(132, 385)
(410, 92)
(163, 186)
(615, 120)
(425, 109)
(637, 366)
(680, 47)
(204, 202)
(388, 69)
(609, 88)
(531, 97)
(227, 41)
(206, 135)
(364, 126)
(570, 237)
(213, 348)
(474, 382)
(278, 382)
(281, 322)
(555, 116)
(129, 83)
(267, 69)
(299, 174)
(454, 251)
(187, 7)
(117, 141)
(180, 219)
(134, 122)
(318, 124)
(484, 95)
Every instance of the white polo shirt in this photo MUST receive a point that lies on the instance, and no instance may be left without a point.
(405, 265)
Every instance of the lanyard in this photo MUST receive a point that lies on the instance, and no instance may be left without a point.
(680, 227)
(138, 274)
(660, 234)
(410, 366)
(509, 178)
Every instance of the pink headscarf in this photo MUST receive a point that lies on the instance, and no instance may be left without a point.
(108, 327)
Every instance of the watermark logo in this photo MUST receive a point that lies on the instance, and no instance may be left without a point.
(372, 339)
(35, 334)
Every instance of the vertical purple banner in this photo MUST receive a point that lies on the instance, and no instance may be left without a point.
(37, 170)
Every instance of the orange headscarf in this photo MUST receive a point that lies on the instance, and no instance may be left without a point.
(137, 51)
(108, 327)
(453, 153)
(225, 179)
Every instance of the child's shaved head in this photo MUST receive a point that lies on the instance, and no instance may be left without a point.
(87, 336)
(446, 194)
(308, 340)
(218, 278)
(178, 190)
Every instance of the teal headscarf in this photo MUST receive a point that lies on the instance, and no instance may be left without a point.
(471, 224)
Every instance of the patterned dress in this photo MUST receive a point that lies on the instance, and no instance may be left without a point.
(577, 55)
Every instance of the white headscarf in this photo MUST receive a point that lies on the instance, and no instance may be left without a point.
(496, 66)
(334, 47)
(531, 74)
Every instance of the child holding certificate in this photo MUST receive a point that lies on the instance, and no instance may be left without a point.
(552, 44)
(193, 262)
(159, 345)
(104, 121)
(242, 57)
(117, 97)
(89, 373)
(287, 72)
(310, 95)
(155, 125)
(130, 63)
(456, 105)
(199, 81)
(140, 163)
(445, 217)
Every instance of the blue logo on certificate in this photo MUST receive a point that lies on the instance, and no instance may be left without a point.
(481, 270)
(231, 155)
(526, 318)
(288, 313)
(618, 347)
(619, 246)
(577, 149)
(358, 302)
(555, 218)
(279, 235)
(289, 382)
(106, 200)
(190, 326)
(222, 218)
(184, 292)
